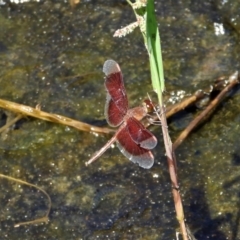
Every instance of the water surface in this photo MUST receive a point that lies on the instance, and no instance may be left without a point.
(52, 54)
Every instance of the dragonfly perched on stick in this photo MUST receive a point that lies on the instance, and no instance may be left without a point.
(133, 140)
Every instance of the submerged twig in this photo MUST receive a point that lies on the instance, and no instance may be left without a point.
(10, 123)
(38, 220)
(233, 80)
(197, 96)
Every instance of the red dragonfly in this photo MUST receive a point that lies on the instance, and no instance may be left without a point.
(133, 139)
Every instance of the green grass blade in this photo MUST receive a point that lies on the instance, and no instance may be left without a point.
(154, 49)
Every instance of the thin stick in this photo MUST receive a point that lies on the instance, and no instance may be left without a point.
(172, 166)
(173, 175)
(38, 220)
(198, 95)
(10, 123)
(171, 110)
(36, 113)
(233, 80)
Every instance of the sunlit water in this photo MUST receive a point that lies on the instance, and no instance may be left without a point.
(52, 55)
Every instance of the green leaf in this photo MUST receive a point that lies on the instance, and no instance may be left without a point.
(154, 49)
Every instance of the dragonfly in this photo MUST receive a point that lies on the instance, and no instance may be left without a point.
(133, 140)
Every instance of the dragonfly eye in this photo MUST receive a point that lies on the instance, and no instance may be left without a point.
(149, 105)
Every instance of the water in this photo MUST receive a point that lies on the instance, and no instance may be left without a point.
(52, 54)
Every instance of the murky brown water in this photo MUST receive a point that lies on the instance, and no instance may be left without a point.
(52, 54)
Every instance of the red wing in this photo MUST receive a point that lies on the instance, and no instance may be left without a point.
(133, 151)
(113, 116)
(117, 103)
(140, 134)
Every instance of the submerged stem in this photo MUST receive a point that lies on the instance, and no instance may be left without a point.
(38, 220)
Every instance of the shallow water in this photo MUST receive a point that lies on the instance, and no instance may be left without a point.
(52, 54)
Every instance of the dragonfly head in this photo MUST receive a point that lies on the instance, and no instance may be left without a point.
(149, 105)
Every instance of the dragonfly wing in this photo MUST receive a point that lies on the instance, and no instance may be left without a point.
(113, 116)
(140, 134)
(132, 150)
(116, 103)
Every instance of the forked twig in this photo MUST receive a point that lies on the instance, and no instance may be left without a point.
(233, 80)
(218, 85)
(10, 123)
